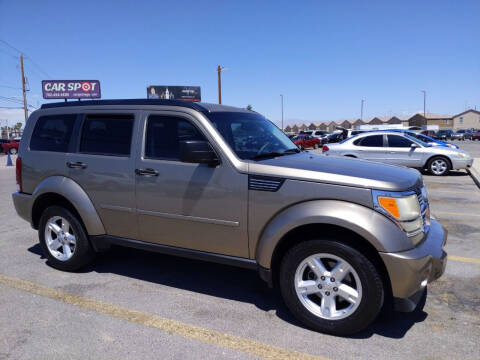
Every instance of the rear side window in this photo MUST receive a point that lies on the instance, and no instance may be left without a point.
(107, 135)
(370, 141)
(398, 141)
(53, 133)
(164, 134)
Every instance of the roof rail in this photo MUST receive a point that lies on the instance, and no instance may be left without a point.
(182, 103)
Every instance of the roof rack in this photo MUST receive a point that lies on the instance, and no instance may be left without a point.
(182, 103)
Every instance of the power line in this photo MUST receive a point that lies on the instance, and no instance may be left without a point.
(11, 87)
(27, 57)
(16, 101)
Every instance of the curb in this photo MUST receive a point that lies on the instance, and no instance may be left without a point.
(475, 176)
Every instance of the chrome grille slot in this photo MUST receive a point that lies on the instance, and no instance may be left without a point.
(261, 183)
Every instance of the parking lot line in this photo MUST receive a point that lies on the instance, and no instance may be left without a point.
(464, 259)
(454, 192)
(217, 338)
(454, 213)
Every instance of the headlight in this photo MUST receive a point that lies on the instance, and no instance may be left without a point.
(466, 156)
(402, 208)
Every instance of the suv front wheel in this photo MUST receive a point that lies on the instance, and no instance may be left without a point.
(63, 239)
(331, 287)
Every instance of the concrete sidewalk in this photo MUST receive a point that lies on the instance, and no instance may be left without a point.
(474, 171)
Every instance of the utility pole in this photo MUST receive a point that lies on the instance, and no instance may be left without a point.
(361, 109)
(424, 103)
(23, 90)
(281, 96)
(219, 71)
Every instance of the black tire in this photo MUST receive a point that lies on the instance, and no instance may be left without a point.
(13, 151)
(432, 161)
(372, 287)
(83, 253)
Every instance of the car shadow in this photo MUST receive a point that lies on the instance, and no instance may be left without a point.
(227, 282)
(452, 173)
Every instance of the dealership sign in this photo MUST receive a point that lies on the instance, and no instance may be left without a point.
(71, 89)
(187, 93)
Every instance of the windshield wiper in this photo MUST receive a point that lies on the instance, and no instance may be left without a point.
(273, 154)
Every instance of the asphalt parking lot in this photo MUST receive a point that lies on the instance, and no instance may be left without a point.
(132, 304)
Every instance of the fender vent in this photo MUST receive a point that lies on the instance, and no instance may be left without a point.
(263, 183)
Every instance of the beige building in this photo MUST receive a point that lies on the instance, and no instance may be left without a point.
(469, 119)
(443, 121)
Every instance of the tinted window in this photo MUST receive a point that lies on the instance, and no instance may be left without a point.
(107, 135)
(398, 141)
(164, 134)
(370, 141)
(52, 133)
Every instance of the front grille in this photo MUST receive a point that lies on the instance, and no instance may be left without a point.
(424, 209)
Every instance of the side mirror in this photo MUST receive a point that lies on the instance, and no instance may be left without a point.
(414, 146)
(198, 152)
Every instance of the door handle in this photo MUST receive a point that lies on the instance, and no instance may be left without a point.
(146, 172)
(76, 165)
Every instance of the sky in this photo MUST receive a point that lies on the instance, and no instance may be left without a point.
(323, 56)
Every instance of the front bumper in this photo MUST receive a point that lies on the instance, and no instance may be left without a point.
(461, 163)
(410, 271)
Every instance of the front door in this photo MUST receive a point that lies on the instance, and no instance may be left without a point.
(192, 206)
(400, 152)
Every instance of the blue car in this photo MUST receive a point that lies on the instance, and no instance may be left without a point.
(427, 139)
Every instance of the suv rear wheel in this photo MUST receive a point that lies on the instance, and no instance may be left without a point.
(331, 287)
(63, 239)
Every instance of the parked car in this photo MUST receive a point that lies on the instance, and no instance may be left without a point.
(340, 237)
(426, 139)
(334, 138)
(401, 149)
(462, 134)
(430, 133)
(443, 134)
(307, 141)
(315, 133)
(11, 146)
(476, 135)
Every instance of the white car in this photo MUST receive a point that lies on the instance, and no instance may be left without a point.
(401, 149)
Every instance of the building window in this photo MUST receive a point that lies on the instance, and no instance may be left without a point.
(461, 120)
(446, 121)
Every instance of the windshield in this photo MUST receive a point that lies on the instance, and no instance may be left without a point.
(251, 136)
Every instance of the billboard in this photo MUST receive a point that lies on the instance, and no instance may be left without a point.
(71, 89)
(187, 93)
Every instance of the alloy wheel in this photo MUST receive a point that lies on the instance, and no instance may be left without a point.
(328, 286)
(60, 238)
(439, 166)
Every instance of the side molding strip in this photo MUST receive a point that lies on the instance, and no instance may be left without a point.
(189, 218)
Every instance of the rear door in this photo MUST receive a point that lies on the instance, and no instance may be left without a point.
(370, 148)
(400, 152)
(104, 166)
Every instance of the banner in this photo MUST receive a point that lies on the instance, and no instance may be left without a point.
(187, 93)
(71, 89)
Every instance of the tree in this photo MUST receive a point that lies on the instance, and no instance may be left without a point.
(17, 126)
(249, 107)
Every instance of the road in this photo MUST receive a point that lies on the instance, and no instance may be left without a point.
(123, 305)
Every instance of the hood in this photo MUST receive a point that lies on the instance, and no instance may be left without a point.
(338, 170)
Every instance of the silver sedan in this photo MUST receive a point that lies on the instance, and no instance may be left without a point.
(401, 149)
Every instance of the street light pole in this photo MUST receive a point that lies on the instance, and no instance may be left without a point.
(219, 71)
(361, 109)
(424, 102)
(281, 96)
